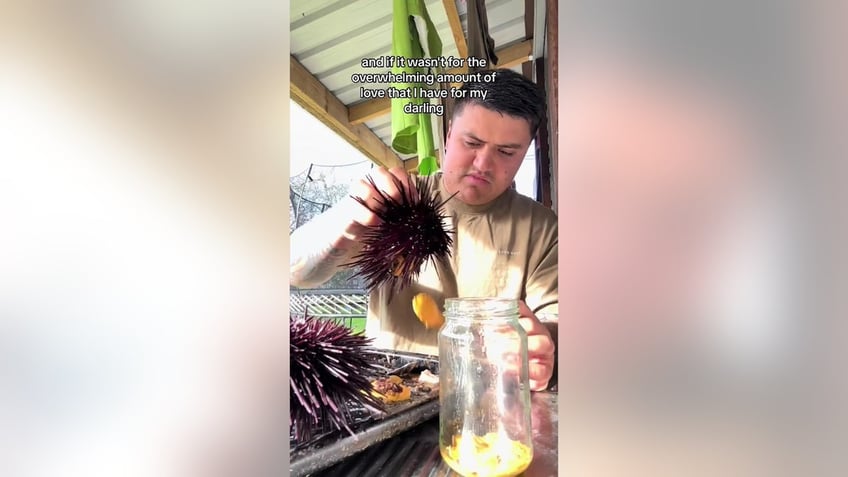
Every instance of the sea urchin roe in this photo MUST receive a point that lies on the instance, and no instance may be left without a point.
(391, 389)
(490, 455)
(427, 311)
(397, 266)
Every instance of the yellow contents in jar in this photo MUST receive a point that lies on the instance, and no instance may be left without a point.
(491, 455)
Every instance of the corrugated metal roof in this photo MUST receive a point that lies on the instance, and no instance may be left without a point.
(330, 38)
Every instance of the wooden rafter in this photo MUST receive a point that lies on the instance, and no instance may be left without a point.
(314, 97)
(456, 27)
(411, 165)
(529, 7)
(509, 56)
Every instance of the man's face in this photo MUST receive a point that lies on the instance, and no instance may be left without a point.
(483, 153)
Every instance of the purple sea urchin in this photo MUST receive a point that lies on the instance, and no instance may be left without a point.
(411, 231)
(330, 369)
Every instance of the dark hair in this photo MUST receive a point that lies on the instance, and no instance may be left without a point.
(510, 93)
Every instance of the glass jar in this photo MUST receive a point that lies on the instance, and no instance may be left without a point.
(484, 419)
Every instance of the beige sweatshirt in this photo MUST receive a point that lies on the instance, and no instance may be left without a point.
(505, 249)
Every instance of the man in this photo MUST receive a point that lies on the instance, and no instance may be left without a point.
(505, 245)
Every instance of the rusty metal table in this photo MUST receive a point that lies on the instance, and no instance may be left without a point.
(415, 453)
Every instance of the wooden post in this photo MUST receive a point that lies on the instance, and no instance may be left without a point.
(551, 79)
(543, 145)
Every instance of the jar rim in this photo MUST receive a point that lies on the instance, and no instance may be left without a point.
(481, 308)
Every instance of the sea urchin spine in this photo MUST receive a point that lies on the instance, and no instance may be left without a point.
(330, 369)
(411, 231)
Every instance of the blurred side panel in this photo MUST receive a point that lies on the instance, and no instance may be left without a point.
(143, 237)
(701, 183)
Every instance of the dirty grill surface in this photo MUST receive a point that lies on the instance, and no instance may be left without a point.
(326, 447)
(360, 417)
(415, 452)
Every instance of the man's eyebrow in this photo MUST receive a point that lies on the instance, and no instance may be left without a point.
(477, 139)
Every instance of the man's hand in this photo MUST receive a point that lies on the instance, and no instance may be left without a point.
(315, 261)
(540, 348)
(360, 216)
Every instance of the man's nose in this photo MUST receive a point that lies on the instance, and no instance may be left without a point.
(484, 159)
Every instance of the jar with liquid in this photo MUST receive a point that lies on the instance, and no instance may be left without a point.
(484, 419)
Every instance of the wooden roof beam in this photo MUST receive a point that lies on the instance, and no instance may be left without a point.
(307, 91)
(456, 27)
(509, 56)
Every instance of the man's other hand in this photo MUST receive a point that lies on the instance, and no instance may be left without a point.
(540, 348)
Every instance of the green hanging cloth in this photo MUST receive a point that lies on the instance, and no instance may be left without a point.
(412, 29)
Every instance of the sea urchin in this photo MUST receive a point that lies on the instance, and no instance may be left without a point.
(411, 231)
(330, 370)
